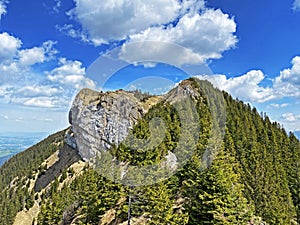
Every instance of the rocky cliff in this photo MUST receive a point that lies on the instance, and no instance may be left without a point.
(99, 120)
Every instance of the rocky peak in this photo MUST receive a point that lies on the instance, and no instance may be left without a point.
(99, 120)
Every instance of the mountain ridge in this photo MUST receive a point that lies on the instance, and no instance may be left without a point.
(239, 184)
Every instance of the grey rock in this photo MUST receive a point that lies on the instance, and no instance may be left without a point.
(70, 139)
(171, 161)
(100, 120)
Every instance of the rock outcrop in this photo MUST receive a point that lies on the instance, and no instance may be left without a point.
(99, 120)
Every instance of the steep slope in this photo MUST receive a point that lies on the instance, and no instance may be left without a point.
(251, 176)
(18, 173)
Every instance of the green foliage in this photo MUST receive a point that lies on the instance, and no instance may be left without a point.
(130, 151)
(84, 201)
(216, 194)
(15, 175)
(267, 162)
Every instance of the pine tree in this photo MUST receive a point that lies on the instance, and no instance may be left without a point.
(216, 194)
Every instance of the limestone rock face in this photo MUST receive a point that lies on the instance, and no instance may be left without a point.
(99, 120)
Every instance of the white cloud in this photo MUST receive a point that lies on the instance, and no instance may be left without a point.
(246, 87)
(202, 37)
(296, 5)
(288, 82)
(150, 52)
(37, 96)
(36, 55)
(20, 83)
(11, 52)
(35, 91)
(32, 56)
(291, 120)
(43, 102)
(9, 46)
(15, 62)
(249, 87)
(69, 30)
(70, 73)
(112, 20)
(290, 117)
(278, 106)
(191, 6)
(206, 33)
(56, 90)
(3, 8)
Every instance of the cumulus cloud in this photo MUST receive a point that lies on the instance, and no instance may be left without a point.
(70, 73)
(11, 52)
(205, 36)
(249, 86)
(9, 46)
(288, 82)
(291, 120)
(246, 87)
(36, 55)
(36, 91)
(5, 92)
(4, 117)
(32, 56)
(56, 90)
(29, 96)
(296, 5)
(37, 95)
(290, 117)
(206, 33)
(112, 20)
(40, 102)
(58, 102)
(69, 30)
(21, 84)
(150, 52)
(16, 62)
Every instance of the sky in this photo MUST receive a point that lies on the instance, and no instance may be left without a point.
(50, 49)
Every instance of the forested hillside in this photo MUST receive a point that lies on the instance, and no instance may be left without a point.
(253, 179)
(16, 173)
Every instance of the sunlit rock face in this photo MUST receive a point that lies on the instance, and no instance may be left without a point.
(99, 120)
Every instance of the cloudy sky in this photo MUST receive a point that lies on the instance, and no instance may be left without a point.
(48, 48)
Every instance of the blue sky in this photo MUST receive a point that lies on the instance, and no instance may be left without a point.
(50, 49)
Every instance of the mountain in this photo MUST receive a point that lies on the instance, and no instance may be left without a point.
(192, 156)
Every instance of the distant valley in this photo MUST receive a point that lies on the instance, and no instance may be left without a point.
(13, 143)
